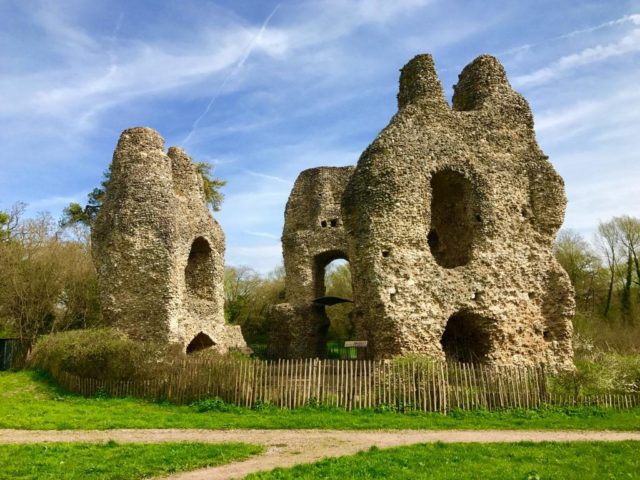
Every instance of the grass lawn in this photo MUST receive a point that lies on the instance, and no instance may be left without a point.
(114, 461)
(522, 461)
(28, 401)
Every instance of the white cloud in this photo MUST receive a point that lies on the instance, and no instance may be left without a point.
(629, 43)
(598, 115)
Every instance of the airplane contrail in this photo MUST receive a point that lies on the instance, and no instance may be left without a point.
(233, 72)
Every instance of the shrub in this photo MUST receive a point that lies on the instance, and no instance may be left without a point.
(601, 373)
(103, 353)
(215, 404)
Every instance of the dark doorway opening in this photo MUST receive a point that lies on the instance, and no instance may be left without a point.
(466, 338)
(200, 342)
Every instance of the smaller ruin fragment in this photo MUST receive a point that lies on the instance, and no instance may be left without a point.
(159, 253)
(313, 237)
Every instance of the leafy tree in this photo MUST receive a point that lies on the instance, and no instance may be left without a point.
(47, 284)
(607, 240)
(628, 229)
(76, 214)
(211, 185)
(581, 263)
(249, 297)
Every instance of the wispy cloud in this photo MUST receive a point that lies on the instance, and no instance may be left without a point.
(309, 85)
(232, 73)
(262, 234)
(269, 177)
(603, 113)
(629, 43)
(635, 19)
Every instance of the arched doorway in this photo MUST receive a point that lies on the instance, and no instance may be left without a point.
(466, 338)
(332, 299)
(337, 281)
(200, 342)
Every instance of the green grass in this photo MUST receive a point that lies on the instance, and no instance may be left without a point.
(526, 461)
(29, 401)
(114, 461)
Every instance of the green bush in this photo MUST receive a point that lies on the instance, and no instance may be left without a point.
(215, 404)
(600, 373)
(104, 353)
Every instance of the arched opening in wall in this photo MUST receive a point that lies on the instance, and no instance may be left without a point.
(201, 341)
(466, 338)
(332, 300)
(454, 219)
(200, 270)
(337, 281)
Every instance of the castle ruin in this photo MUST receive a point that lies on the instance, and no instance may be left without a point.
(159, 254)
(447, 221)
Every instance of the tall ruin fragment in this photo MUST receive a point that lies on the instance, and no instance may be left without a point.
(448, 222)
(159, 253)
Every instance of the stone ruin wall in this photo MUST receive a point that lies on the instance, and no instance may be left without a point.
(159, 253)
(313, 237)
(449, 220)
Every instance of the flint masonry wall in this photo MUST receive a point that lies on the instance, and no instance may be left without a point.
(449, 220)
(158, 252)
(313, 237)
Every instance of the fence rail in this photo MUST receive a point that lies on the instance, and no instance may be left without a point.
(403, 384)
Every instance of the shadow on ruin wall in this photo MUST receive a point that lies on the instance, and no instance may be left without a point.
(447, 221)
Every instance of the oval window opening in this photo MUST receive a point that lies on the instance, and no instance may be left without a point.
(453, 219)
(200, 270)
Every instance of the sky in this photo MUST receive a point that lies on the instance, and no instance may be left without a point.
(265, 89)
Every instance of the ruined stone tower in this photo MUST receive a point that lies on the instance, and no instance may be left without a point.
(449, 220)
(313, 237)
(158, 252)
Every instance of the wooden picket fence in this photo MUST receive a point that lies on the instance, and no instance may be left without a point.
(403, 384)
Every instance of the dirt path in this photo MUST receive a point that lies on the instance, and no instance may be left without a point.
(285, 448)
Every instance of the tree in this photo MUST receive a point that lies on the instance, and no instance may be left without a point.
(628, 230)
(211, 185)
(47, 284)
(9, 221)
(249, 297)
(76, 214)
(240, 283)
(580, 262)
(607, 241)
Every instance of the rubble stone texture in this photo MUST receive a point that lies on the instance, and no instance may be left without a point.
(448, 221)
(158, 251)
(313, 237)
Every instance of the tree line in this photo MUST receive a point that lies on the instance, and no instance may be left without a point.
(606, 273)
(48, 282)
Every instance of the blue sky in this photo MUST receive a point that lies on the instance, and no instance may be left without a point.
(265, 89)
